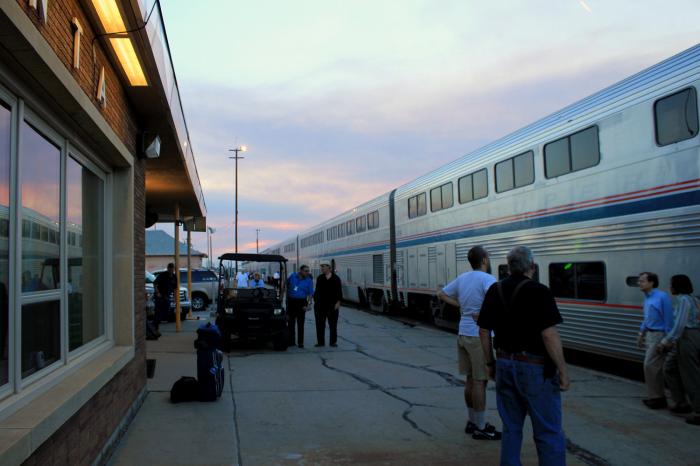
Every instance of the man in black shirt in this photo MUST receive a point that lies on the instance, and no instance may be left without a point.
(164, 286)
(530, 370)
(327, 298)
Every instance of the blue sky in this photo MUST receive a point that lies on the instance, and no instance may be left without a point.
(340, 101)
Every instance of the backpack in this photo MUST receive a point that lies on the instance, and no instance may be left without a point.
(184, 389)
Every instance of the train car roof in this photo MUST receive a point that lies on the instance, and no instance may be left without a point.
(242, 256)
(683, 66)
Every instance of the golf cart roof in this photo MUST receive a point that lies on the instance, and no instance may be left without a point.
(248, 257)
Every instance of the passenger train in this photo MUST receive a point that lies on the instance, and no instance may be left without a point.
(600, 191)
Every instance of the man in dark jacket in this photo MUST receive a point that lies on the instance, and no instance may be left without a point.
(327, 298)
(529, 365)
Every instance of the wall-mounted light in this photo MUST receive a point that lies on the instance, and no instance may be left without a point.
(130, 62)
(150, 145)
(112, 22)
(109, 14)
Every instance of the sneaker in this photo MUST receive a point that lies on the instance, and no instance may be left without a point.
(655, 403)
(681, 409)
(334, 345)
(317, 345)
(470, 428)
(694, 420)
(487, 433)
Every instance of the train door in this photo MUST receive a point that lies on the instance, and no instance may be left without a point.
(412, 268)
(400, 270)
(450, 263)
(441, 277)
(432, 267)
(423, 267)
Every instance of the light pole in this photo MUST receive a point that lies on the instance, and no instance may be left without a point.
(257, 248)
(235, 218)
(210, 231)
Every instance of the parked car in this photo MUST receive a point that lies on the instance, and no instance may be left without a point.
(204, 287)
(185, 304)
(252, 313)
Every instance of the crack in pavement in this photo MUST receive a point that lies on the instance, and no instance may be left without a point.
(449, 378)
(375, 386)
(239, 456)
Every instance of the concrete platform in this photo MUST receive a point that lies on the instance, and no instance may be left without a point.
(389, 394)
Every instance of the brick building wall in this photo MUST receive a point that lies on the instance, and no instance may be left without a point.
(58, 33)
(83, 437)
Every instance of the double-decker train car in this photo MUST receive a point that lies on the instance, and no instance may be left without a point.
(600, 190)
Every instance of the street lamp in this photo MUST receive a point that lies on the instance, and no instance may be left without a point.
(210, 231)
(235, 219)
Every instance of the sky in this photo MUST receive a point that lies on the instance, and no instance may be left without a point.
(341, 101)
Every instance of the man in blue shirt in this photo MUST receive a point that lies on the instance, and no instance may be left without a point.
(300, 289)
(658, 321)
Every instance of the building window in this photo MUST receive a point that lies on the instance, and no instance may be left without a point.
(515, 172)
(572, 153)
(417, 205)
(5, 132)
(373, 220)
(441, 197)
(473, 186)
(578, 280)
(676, 117)
(84, 211)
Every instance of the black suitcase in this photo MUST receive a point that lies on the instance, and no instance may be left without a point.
(210, 374)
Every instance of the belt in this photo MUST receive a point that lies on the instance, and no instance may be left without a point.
(522, 356)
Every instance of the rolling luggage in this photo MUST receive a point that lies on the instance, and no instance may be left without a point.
(210, 367)
(210, 374)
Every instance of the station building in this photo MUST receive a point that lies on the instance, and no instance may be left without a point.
(93, 147)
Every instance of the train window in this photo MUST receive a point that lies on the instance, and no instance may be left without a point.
(350, 227)
(417, 206)
(676, 117)
(422, 204)
(373, 220)
(632, 280)
(26, 229)
(361, 224)
(578, 280)
(572, 153)
(504, 273)
(4, 228)
(441, 197)
(515, 172)
(341, 230)
(473, 186)
(36, 231)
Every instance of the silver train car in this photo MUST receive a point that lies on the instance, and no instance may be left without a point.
(601, 190)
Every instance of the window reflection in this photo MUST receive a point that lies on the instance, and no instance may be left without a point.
(40, 178)
(41, 337)
(5, 121)
(84, 193)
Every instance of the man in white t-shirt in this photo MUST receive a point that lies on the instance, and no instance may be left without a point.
(467, 293)
(241, 279)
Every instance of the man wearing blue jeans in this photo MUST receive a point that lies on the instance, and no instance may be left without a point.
(530, 371)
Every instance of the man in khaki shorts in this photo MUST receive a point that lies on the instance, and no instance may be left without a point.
(467, 293)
